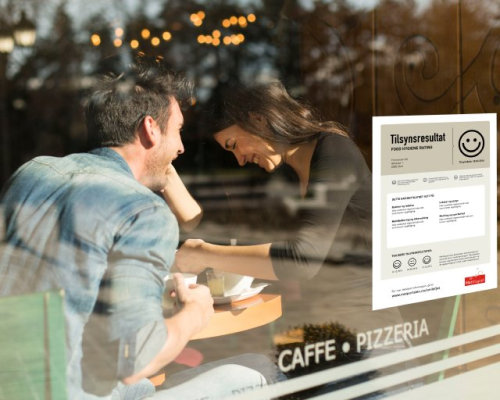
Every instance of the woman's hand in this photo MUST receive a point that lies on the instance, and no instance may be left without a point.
(191, 257)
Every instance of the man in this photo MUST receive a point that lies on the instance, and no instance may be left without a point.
(92, 225)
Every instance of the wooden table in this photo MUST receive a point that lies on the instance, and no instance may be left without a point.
(236, 317)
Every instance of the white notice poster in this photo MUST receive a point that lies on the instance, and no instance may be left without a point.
(434, 207)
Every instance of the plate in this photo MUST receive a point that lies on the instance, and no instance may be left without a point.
(246, 294)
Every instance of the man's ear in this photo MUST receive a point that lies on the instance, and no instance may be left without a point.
(149, 132)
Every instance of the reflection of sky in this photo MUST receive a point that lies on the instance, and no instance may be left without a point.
(361, 4)
(117, 11)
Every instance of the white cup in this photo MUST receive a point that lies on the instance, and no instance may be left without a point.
(189, 279)
(236, 284)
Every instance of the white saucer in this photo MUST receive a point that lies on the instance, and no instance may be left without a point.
(246, 294)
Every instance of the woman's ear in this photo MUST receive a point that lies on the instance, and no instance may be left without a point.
(258, 119)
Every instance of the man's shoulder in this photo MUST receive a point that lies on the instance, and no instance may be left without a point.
(89, 178)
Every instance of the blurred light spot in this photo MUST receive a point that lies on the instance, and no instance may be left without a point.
(167, 36)
(134, 44)
(119, 32)
(34, 83)
(95, 39)
(201, 14)
(216, 34)
(227, 40)
(19, 104)
(117, 42)
(233, 20)
(226, 23)
(241, 37)
(251, 17)
(216, 41)
(155, 41)
(201, 39)
(145, 33)
(195, 19)
(208, 39)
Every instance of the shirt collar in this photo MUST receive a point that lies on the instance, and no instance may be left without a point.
(112, 155)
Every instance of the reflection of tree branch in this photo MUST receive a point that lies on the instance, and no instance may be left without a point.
(343, 49)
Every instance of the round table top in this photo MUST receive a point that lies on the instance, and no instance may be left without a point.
(236, 317)
(242, 315)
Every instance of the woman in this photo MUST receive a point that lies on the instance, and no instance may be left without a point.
(264, 125)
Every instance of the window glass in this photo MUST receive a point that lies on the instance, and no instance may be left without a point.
(347, 61)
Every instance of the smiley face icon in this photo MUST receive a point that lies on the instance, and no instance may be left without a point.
(471, 143)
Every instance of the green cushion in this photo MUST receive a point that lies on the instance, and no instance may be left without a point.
(33, 347)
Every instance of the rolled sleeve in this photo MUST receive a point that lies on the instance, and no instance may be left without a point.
(136, 352)
(126, 330)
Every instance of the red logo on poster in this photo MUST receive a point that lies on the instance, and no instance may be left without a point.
(475, 280)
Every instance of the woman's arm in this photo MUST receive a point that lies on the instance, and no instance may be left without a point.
(187, 211)
(339, 168)
(195, 255)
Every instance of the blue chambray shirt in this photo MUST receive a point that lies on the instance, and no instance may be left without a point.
(84, 224)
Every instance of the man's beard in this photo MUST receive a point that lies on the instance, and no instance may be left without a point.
(155, 176)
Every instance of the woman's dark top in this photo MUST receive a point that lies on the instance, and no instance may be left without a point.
(339, 198)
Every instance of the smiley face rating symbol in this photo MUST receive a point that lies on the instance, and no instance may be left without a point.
(396, 264)
(471, 143)
(412, 261)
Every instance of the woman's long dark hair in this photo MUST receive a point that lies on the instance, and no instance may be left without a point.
(288, 120)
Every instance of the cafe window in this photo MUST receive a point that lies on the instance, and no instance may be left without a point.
(348, 61)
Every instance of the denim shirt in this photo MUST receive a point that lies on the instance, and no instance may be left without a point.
(83, 223)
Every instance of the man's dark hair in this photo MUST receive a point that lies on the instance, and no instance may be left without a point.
(119, 102)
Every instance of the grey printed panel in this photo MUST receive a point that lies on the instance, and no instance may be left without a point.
(413, 148)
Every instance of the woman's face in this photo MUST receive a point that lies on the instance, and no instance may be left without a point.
(248, 148)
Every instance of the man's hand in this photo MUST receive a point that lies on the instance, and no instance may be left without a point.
(194, 316)
(196, 299)
(191, 257)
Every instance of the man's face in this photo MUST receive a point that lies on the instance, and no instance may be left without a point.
(166, 150)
